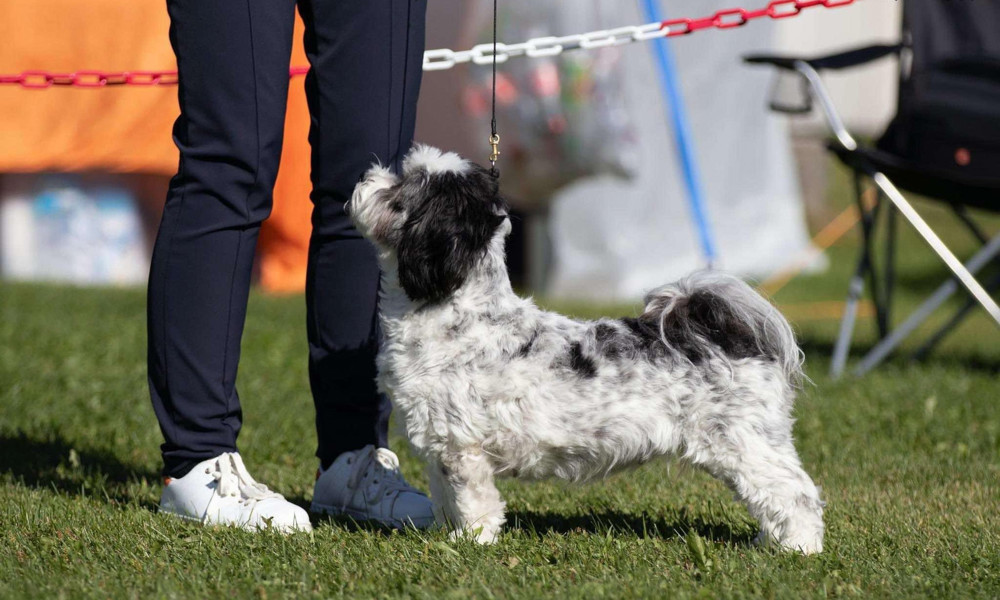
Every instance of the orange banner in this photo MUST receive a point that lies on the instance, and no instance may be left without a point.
(123, 128)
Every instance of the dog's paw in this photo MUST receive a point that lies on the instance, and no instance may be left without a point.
(479, 534)
(805, 544)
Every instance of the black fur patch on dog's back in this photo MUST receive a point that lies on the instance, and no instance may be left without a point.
(646, 333)
(639, 338)
(527, 346)
(583, 365)
(710, 317)
(646, 328)
(693, 321)
(696, 326)
(574, 359)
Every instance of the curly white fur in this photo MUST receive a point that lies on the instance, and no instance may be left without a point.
(487, 384)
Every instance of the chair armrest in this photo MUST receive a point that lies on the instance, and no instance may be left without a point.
(841, 60)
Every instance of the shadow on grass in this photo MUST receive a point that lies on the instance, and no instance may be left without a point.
(618, 523)
(344, 522)
(53, 463)
(642, 526)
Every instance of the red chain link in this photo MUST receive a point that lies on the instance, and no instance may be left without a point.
(723, 19)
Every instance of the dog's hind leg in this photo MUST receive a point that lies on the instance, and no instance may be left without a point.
(782, 496)
(465, 495)
(765, 473)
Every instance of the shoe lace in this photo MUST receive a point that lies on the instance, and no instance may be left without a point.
(382, 466)
(232, 479)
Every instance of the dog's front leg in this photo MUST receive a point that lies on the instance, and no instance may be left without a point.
(465, 495)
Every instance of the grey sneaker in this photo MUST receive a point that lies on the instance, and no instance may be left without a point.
(366, 484)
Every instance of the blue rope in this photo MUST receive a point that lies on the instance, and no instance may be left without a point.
(682, 135)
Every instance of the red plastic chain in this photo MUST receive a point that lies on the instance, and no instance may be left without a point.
(737, 17)
(723, 19)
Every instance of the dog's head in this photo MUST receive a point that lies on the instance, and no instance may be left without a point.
(434, 223)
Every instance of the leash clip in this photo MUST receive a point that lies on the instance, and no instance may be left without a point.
(495, 145)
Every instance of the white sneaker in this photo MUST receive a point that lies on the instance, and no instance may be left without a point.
(219, 491)
(367, 485)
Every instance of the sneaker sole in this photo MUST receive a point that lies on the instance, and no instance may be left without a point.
(176, 515)
(243, 526)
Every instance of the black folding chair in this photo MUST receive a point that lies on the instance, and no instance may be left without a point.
(943, 143)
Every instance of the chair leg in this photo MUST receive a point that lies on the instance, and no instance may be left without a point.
(944, 330)
(881, 350)
(843, 345)
(856, 287)
(963, 214)
(877, 289)
(889, 267)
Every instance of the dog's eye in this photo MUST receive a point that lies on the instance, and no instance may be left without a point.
(396, 206)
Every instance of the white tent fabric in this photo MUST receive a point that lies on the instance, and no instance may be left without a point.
(614, 240)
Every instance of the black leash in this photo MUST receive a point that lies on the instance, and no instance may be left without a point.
(494, 136)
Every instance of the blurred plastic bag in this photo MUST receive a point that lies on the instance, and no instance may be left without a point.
(561, 118)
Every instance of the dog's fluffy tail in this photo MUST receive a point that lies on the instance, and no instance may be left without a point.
(710, 311)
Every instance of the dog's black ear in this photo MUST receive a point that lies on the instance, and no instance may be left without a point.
(447, 232)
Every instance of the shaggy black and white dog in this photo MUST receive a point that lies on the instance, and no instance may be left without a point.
(490, 385)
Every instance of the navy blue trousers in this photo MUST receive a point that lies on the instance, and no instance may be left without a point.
(233, 58)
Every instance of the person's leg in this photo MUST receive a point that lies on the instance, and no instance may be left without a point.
(233, 63)
(366, 59)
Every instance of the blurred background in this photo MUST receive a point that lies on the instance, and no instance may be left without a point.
(590, 160)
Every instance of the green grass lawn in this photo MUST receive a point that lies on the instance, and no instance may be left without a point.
(907, 458)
